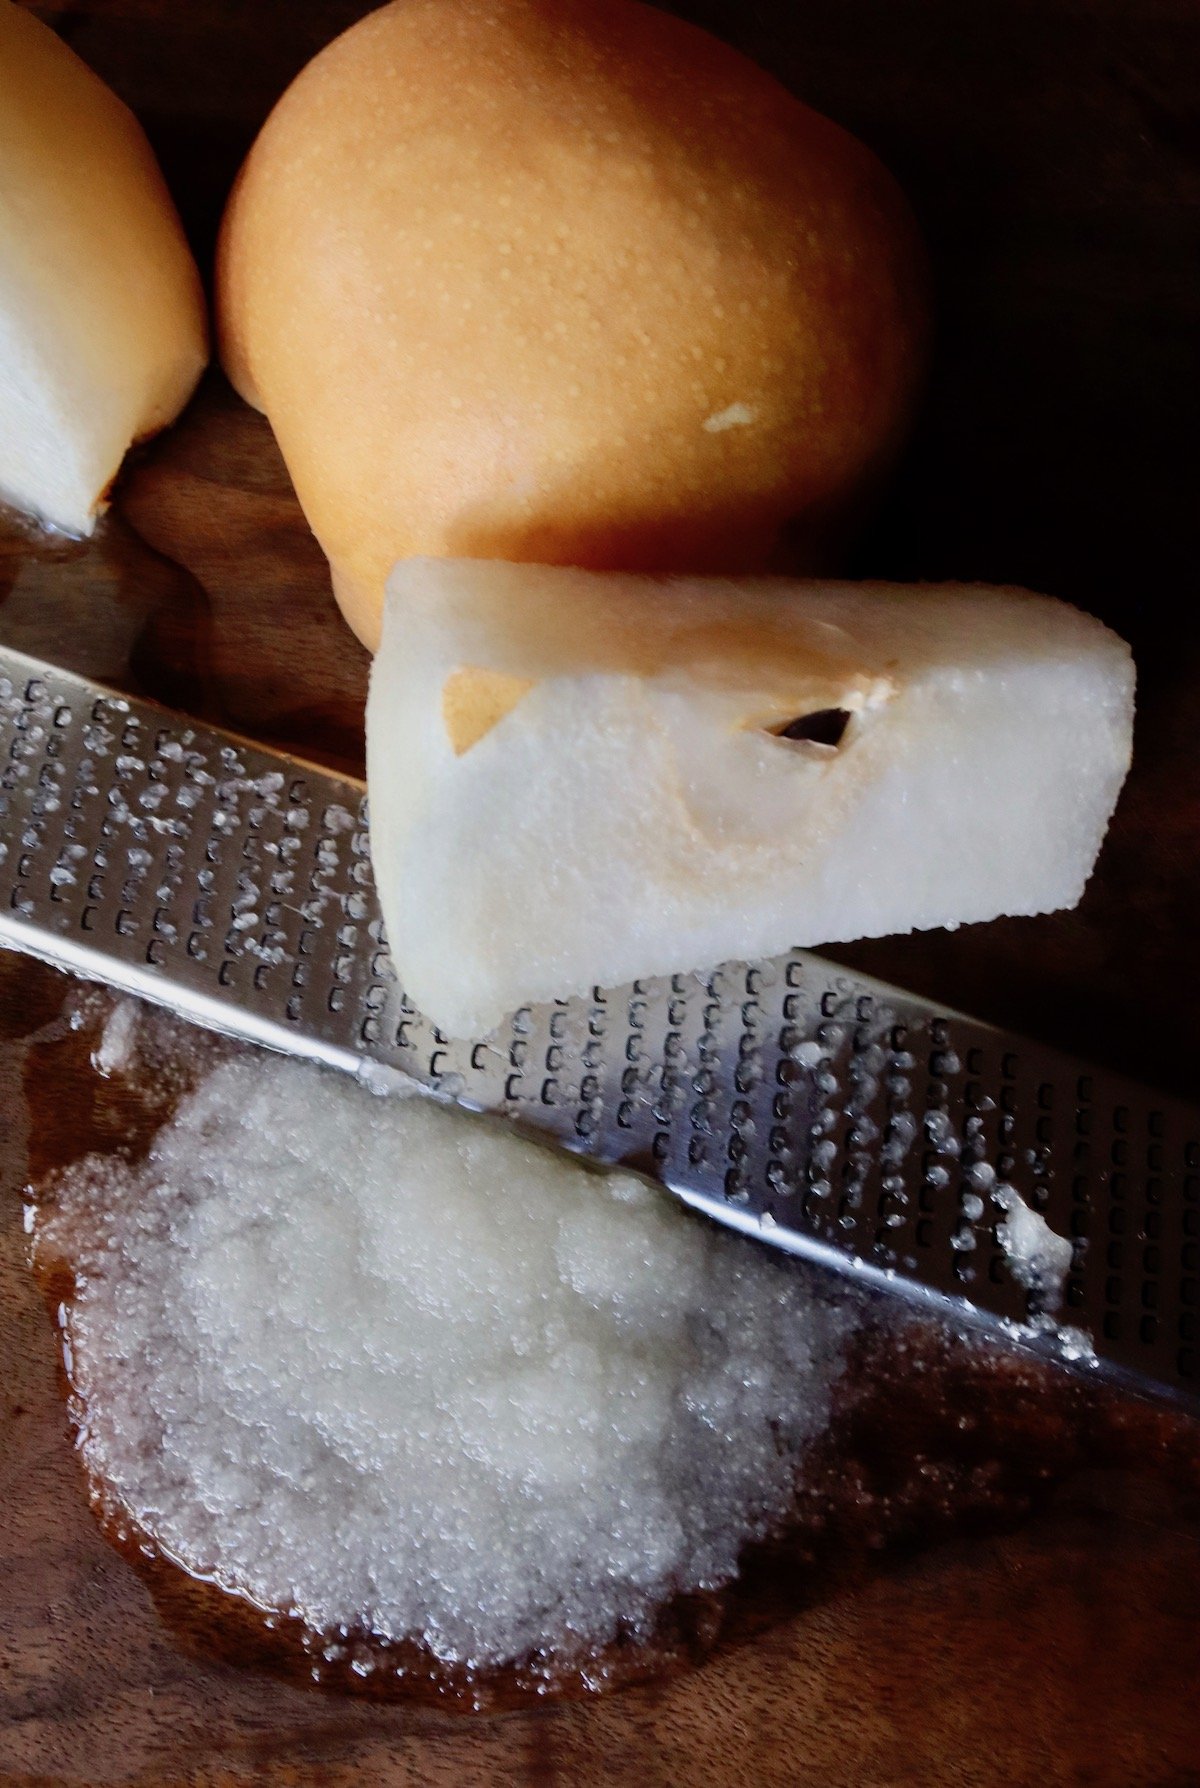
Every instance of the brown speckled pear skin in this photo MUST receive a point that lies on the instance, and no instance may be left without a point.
(564, 281)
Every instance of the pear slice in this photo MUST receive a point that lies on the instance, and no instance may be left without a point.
(582, 778)
(102, 327)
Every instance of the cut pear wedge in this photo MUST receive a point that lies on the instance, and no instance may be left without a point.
(102, 326)
(579, 779)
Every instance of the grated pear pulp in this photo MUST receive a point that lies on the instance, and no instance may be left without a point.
(1038, 1257)
(397, 1370)
(581, 779)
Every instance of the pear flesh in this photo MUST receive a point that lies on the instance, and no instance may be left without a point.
(102, 328)
(578, 779)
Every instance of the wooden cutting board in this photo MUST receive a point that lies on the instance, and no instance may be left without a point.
(1051, 151)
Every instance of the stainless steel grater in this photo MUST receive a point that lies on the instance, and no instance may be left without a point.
(829, 1114)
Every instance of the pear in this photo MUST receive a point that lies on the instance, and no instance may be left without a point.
(581, 778)
(102, 325)
(568, 281)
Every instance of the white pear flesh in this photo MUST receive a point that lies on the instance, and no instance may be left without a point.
(576, 778)
(102, 323)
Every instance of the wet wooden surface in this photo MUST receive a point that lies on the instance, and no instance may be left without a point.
(1051, 150)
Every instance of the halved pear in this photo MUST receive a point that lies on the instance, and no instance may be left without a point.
(102, 326)
(582, 778)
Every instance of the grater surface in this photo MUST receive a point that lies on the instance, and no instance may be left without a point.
(823, 1111)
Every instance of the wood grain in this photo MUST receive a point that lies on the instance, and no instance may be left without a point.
(1051, 150)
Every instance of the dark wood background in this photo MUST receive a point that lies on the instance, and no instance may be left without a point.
(1051, 150)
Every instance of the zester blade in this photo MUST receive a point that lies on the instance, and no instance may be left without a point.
(824, 1112)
